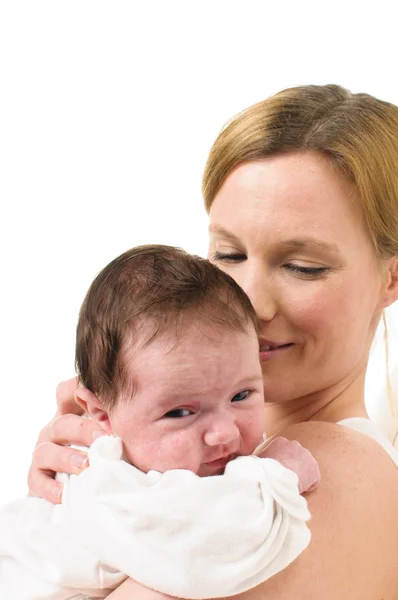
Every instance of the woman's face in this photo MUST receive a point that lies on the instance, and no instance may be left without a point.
(289, 231)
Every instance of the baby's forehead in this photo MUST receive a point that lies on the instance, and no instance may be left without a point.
(177, 338)
(195, 361)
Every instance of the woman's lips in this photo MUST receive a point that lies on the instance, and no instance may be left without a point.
(269, 351)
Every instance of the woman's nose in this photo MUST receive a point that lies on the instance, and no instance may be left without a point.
(223, 431)
(261, 295)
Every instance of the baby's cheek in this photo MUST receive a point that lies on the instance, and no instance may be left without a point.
(135, 455)
(182, 451)
(167, 451)
(141, 451)
(254, 429)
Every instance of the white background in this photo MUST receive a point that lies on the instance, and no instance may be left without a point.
(108, 110)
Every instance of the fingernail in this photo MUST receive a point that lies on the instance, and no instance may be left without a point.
(98, 433)
(79, 460)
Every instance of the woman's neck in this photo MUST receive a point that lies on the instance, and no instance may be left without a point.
(341, 401)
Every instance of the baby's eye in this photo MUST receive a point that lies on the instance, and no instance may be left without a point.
(178, 413)
(240, 396)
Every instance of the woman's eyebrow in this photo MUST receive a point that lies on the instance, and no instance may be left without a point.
(310, 243)
(220, 231)
(293, 244)
(305, 243)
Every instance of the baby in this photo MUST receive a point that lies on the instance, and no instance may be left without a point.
(168, 359)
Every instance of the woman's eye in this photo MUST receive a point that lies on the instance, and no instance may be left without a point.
(229, 257)
(240, 396)
(309, 272)
(178, 413)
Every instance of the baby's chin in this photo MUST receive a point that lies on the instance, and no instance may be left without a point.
(145, 467)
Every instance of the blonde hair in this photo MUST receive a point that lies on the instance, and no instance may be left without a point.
(357, 132)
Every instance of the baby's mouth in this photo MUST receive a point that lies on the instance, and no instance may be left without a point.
(221, 461)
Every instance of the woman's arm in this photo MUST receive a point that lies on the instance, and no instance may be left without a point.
(352, 554)
(131, 590)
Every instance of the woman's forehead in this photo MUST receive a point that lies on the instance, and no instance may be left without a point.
(293, 177)
(297, 197)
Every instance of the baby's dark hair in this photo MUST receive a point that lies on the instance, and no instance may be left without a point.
(150, 291)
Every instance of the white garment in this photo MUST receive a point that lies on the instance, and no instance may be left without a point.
(171, 532)
(175, 532)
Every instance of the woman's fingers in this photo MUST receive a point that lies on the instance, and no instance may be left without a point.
(43, 485)
(65, 395)
(53, 454)
(52, 458)
(70, 429)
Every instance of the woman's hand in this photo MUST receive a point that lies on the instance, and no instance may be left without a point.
(51, 454)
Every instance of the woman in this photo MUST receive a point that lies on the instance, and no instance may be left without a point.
(302, 194)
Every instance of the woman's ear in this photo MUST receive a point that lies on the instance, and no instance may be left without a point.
(92, 406)
(391, 286)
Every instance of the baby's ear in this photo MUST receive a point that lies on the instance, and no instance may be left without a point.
(93, 407)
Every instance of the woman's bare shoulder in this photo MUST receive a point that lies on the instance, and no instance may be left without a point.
(354, 546)
(354, 529)
(343, 451)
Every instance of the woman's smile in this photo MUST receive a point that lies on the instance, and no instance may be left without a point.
(270, 350)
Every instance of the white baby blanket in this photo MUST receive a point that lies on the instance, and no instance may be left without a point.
(175, 532)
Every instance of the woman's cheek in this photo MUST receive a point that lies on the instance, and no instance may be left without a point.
(310, 309)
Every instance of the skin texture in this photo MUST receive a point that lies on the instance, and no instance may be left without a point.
(329, 317)
(50, 453)
(268, 215)
(270, 222)
(198, 401)
(354, 545)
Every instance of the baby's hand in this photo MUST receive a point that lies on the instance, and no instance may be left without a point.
(293, 456)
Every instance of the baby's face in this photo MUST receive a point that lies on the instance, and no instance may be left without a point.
(198, 403)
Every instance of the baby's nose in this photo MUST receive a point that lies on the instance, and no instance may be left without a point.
(222, 433)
